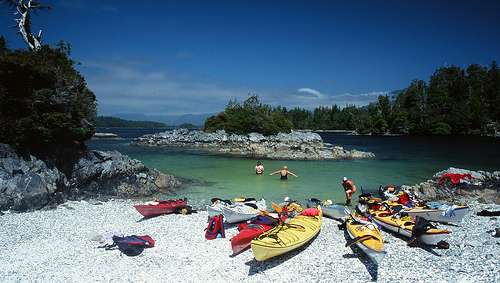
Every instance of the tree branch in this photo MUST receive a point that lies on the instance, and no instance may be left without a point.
(23, 10)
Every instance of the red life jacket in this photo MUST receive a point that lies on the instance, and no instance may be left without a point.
(215, 227)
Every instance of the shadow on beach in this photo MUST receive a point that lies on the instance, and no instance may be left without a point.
(427, 248)
(371, 267)
(260, 266)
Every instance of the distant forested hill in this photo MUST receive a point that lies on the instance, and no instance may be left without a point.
(109, 122)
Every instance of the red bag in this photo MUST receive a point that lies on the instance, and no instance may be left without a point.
(312, 211)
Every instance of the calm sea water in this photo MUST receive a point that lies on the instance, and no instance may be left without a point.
(400, 160)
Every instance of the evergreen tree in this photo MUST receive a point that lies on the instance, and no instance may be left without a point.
(493, 92)
(45, 104)
(448, 98)
(478, 106)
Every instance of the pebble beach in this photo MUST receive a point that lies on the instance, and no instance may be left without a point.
(57, 246)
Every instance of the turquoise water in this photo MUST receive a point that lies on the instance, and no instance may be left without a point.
(399, 161)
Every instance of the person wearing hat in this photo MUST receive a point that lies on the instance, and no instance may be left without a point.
(284, 173)
(259, 168)
(349, 188)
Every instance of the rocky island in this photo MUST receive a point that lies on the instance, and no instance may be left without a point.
(292, 146)
(483, 187)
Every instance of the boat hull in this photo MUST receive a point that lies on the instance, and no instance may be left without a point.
(243, 239)
(163, 207)
(404, 228)
(439, 215)
(335, 211)
(292, 235)
(237, 214)
(373, 247)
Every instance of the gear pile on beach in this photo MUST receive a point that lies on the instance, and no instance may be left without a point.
(291, 225)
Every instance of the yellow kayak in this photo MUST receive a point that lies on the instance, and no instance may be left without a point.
(286, 237)
(404, 226)
(367, 237)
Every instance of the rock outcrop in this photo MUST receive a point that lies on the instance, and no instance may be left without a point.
(484, 187)
(27, 184)
(114, 174)
(293, 146)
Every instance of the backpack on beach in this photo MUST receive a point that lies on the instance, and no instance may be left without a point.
(131, 245)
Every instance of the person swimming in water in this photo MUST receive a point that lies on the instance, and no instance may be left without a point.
(284, 173)
(259, 168)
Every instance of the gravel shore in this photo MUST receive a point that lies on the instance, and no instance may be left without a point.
(56, 246)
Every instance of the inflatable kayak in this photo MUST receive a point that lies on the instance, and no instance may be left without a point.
(156, 208)
(287, 236)
(367, 237)
(404, 226)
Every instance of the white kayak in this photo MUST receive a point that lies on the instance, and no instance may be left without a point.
(239, 212)
(329, 209)
(216, 208)
(445, 215)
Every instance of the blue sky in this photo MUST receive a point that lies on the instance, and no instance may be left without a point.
(176, 57)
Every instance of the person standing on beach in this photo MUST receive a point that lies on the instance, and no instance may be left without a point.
(284, 173)
(259, 168)
(349, 188)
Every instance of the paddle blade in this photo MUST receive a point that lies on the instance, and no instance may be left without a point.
(276, 207)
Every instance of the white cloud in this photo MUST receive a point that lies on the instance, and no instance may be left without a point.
(316, 98)
(130, 87)
(126, 86)
(312, 91)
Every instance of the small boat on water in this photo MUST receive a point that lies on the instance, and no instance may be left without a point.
(366, 236)
(155, 208)
(287, 236)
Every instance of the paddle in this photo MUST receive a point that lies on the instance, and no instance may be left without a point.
(277, 208)
(357, 239)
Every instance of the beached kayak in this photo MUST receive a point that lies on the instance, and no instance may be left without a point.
(156, 208)
(287, 237)
(367, 237)
(329, 209)
(248, 232)
(239, 212)
(216, 207)
(450, 214)
(404, 226)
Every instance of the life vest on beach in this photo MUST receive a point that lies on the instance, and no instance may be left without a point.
(215, 227)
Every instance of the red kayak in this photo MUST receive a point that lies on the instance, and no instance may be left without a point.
(248, 232)
(156, 208)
